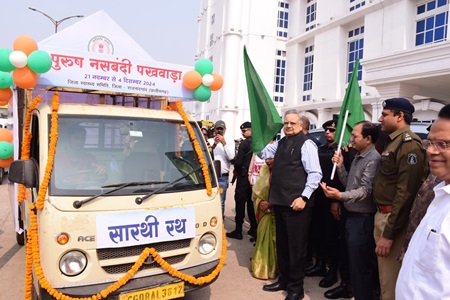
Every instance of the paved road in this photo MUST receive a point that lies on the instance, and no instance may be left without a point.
(234, 282)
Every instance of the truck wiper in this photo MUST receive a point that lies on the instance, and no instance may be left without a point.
(119, 186)
(140, 200)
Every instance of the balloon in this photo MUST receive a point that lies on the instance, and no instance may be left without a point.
(5, 64)
(192, 79)
(202, 93)
(39, 61)
(5, 163)
(6, 135)
(18, 59)
(207, 79)
(6, 150)
(204, 66)
(25, 78)
(218, 82)
(5, 80)
(25, 44)
(5, 95)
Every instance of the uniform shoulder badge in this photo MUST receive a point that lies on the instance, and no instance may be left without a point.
(411, 159)
(407, 137)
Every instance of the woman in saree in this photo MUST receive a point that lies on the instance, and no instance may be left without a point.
(263, 263)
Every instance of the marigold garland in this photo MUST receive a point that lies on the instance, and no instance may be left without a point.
(32, 246)
(197, 148)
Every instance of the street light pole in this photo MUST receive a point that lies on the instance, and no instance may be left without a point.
(56, 23)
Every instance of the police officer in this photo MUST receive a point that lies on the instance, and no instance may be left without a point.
(403, 169)
(324, 232)
(243, 191)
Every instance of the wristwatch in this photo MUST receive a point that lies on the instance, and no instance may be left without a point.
(305, 198)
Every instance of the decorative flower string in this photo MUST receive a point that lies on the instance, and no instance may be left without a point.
(27, 141)
(32, 247)
(197, 148)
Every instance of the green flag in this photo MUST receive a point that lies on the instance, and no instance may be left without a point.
(266, 121)
(352, 102)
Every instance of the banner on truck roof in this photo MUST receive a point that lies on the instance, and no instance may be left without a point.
(97, 54)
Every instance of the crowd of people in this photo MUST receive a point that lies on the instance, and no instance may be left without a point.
(381, 225)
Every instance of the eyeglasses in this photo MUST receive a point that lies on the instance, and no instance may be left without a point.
(219, 128)
(438, 145)
(245, 130)
(330, 129)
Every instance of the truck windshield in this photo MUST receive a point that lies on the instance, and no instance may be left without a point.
(92, 153)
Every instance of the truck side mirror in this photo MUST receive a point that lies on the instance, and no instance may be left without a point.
(217, 167)
(24, 172)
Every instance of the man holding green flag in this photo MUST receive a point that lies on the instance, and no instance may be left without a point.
(265, 119)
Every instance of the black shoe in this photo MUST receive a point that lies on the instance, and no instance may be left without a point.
(329, 279)
(317, 270)
(309, 264)
(295, 296)
(341, 291)
(274, 287)
(235, 235)
(252, 232)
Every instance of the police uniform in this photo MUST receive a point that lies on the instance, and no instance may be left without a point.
(402, 171)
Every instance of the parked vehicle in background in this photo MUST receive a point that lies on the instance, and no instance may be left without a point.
(419, 128)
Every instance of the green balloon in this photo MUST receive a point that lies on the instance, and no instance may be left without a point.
(5, 64)
(202, 93)
(6, 80)
(6, 150)
(39, 61)
(204, 66)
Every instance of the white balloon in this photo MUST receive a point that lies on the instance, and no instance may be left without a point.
(207, 79)
(18, 59)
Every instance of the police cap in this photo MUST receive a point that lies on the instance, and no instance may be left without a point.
(246, 125)
(401, 104)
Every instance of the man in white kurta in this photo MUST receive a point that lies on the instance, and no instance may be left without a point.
(425, 271)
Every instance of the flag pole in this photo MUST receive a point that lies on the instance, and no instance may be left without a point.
(340, 143)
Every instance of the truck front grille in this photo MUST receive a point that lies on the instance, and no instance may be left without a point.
(162, 247)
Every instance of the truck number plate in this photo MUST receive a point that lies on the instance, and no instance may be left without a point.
(170, 291)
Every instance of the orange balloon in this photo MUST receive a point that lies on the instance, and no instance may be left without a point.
(25, 78)
(5, 163)
(192, 79)
(25, 44)
(5, 95)
(217, 83)
(6, 135)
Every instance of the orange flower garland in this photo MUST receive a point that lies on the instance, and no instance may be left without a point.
(32, 247)
(197, 148)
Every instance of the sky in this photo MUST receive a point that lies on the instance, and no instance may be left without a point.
(166, 29)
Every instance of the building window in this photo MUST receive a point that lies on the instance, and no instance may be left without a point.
(355, 4)
(311, 14)
(211, 40)
(213, 18)
(431, 22)
(355, 50)
(280, 76)
(308, 69)
(283, 16)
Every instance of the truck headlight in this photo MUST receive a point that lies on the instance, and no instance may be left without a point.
(207, 243)
(73, 263)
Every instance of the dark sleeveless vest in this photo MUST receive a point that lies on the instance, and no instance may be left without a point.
(288, 175)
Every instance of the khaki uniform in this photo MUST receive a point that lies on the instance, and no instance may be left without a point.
(403, 169)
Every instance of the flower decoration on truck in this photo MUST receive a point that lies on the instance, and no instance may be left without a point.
(202, 80)
(21, 66)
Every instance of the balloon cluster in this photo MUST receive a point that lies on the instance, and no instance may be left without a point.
(202, 80)
(6, 148)
(25, 63)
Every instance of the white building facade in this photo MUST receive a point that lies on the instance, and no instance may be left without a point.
(305, 50)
